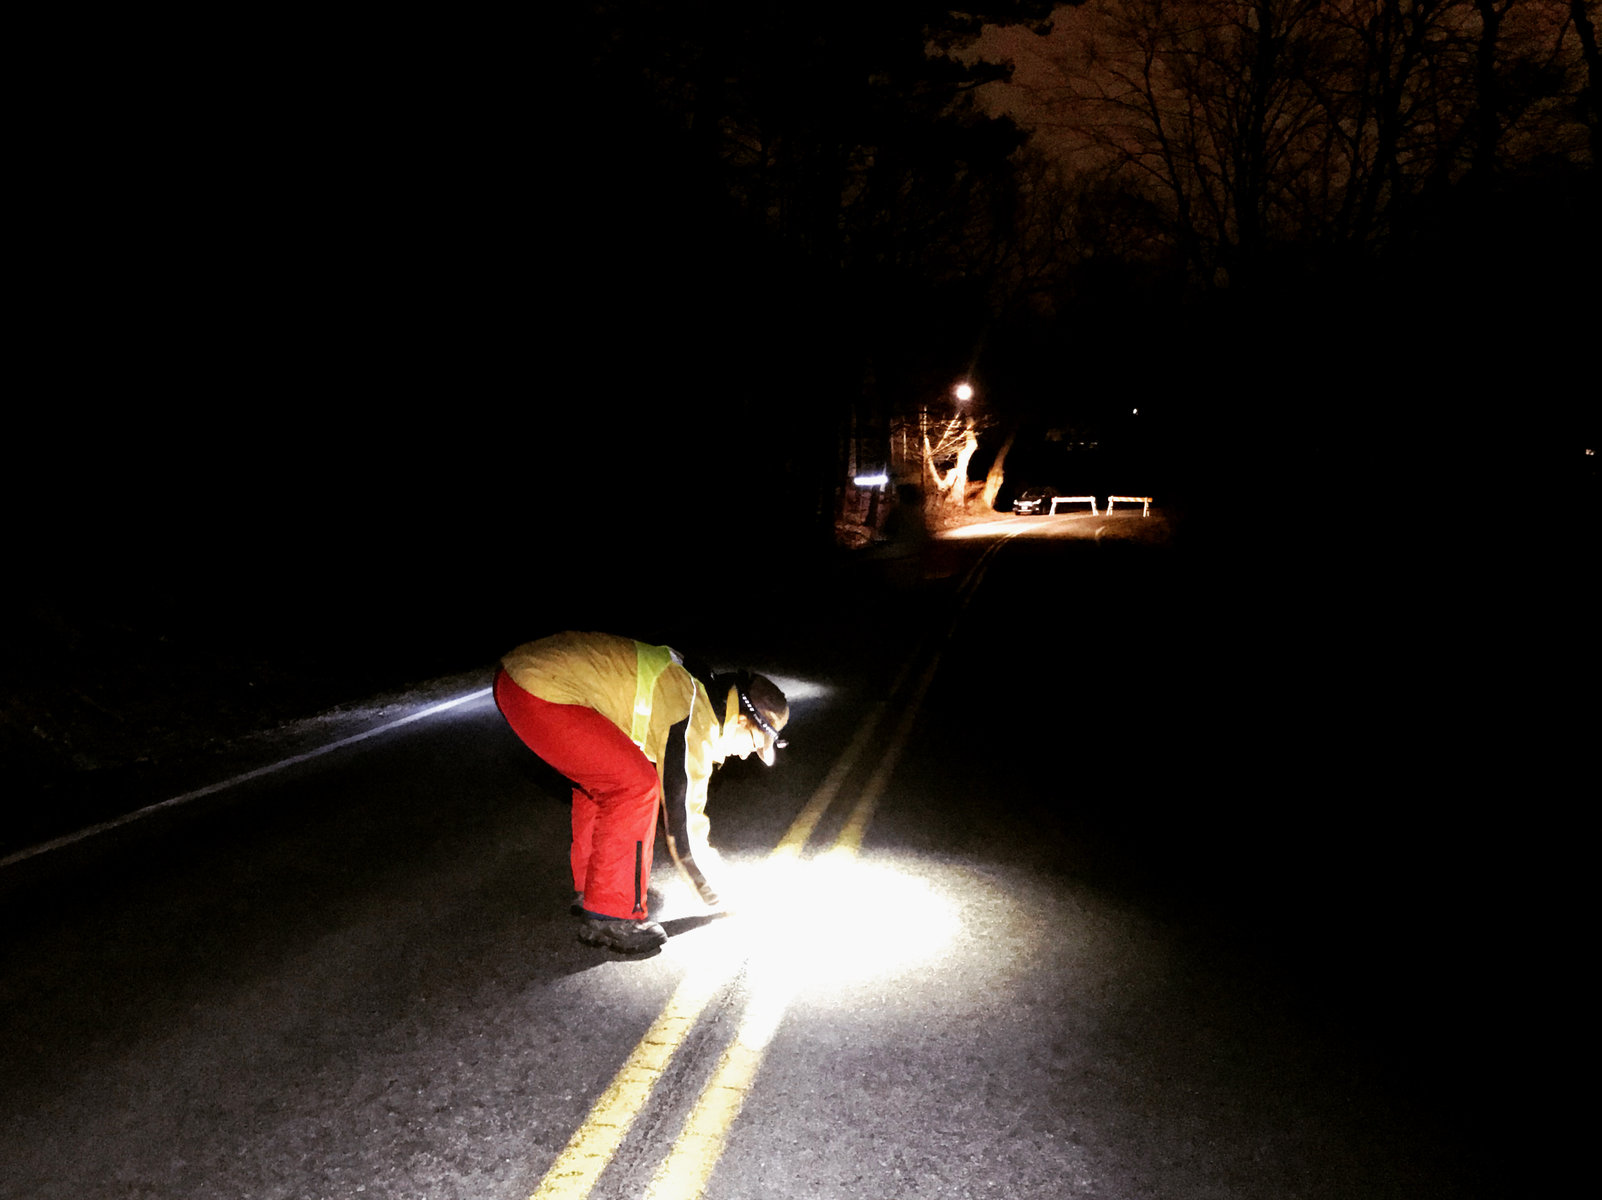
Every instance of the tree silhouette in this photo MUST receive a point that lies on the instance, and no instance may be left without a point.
(818, 183)
(1273, 130)
(847, 132)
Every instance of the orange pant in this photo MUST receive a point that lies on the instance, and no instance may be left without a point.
(616, 795)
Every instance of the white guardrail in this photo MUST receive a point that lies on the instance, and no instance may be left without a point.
(1144, 501)
(1090, 500)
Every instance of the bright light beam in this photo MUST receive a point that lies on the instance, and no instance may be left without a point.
(800, 692)
(777, 967)
(822, 944)
(806, 926)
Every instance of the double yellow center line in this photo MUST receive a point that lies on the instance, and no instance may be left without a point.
(685, 1172)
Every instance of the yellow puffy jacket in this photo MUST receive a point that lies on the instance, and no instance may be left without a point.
(648, 693)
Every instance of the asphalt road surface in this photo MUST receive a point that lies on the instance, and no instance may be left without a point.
(1023, 911)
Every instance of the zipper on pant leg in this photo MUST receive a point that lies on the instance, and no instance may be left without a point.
(639, 863)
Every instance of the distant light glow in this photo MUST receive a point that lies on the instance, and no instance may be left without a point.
(963, 391)
(878, 480)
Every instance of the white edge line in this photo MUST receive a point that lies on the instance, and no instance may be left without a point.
(210, 789)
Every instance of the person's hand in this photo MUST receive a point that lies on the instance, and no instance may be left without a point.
(720, 898)
(708, 866)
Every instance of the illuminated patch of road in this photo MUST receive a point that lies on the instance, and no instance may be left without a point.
(816, 946)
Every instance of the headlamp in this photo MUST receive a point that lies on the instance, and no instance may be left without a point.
(762, 723)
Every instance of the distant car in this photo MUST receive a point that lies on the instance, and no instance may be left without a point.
(1031, 502)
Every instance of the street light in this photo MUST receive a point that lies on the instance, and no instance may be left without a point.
(961, 392)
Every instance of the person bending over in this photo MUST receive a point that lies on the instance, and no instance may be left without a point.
(638, 732)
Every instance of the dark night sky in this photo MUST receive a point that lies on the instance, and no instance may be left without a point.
(368, 311)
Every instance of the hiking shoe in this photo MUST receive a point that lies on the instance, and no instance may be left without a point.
(622, 934)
